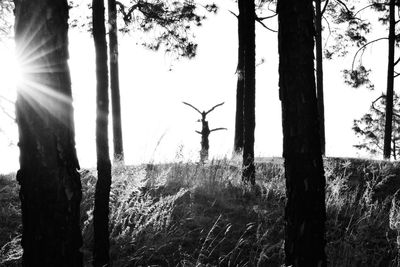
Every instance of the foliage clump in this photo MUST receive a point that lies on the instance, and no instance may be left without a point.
(370, 128)
(358, 77)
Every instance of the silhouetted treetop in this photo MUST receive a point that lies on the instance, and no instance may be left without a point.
(348, 28)
(158, 25)
(170, 21)
(370, 127)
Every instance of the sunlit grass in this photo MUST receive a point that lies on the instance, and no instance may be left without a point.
(186, 214)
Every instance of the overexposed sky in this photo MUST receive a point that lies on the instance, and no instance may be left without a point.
(158, 127)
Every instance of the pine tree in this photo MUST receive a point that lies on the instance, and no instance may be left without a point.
(50, 183)
(249, 96)
(305, 213)
(114, 82)
(103, 185)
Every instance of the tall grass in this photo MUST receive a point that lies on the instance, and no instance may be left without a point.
(188, 214)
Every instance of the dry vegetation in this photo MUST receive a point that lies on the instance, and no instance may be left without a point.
(202, 215)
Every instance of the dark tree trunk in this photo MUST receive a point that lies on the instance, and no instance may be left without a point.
(50, 183)
(249, 122)
(305, 182)
(102, 194)
(205, 144)
(319, 73)
(238, 142)
(390, 83)
(114, 82)
(394, 149)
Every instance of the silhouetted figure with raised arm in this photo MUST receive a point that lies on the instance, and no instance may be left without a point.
(205, 131)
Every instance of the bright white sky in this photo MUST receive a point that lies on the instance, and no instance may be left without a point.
(158, 127)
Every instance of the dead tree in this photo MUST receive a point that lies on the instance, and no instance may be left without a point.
(205, 131)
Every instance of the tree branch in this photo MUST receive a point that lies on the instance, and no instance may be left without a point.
(192, 107)
(218, 129)
(373, 103)
(363, 47)
(220, 104)
(396, 62)
(233, 13)
(324, 8)
(127, 15)
(267, 17)
(273, 11)
(265, 26)
(329, 29)
(363, 9)
(344, 5)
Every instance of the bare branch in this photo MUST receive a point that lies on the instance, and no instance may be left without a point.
(329, 29)
(363, 9)
(265, 26)
(396, 62)
(233, 13)
(192, 107)
(324, 8)
(220, 104)
(198, 132)
(396, 74)
(218, 129)
(373, 103)
(267, 17)
(363, 47)
(344, 5)
(268, 7)
(379, 111)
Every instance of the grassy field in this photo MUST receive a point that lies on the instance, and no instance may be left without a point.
(186, 214)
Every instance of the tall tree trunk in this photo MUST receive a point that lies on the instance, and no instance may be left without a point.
(102, 194)
(249, 122)
(50, 183)
(114, 82)
(305, 182)
(238, 142)
(390, 82)
(319, 73)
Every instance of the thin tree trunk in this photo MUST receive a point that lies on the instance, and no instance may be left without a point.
(114, 82)
(394, 149)
(319, 73)
(390, 83)
(102, 194)
(50, 183)
(305, 182)
(238, 142)
(249, 92)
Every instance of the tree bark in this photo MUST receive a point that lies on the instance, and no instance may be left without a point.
(319, 74)
(114, 82)
(102, 194)
(238, 142)
(390, 83)
(305, 182)
(249, 122)
(50, 183)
